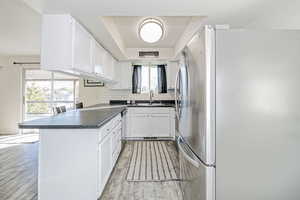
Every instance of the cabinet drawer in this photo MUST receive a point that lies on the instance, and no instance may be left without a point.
(116, 121)
(109, 126)
(105, 130)
(117, 148)
(116, 138)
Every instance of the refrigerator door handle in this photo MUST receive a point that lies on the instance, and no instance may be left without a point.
(185, 154)
(176, 93)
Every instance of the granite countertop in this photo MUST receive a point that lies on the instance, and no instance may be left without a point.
(82, 119)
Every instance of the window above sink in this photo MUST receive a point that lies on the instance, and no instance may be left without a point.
(148, 77)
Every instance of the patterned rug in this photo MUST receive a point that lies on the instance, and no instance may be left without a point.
(150, 161)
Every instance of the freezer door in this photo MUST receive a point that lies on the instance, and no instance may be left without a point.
(197, 180)
(198, 112)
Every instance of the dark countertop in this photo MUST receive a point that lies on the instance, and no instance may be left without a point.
(83, 119)
(93, 116)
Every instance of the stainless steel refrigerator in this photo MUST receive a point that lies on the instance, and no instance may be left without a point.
(238, 115)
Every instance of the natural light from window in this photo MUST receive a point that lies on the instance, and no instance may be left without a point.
(149, 79)
(45, 90)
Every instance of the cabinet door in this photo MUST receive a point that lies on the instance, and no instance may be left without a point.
(105, 161)
(117, 147)
(124, 126)
(140, 126)
(123, 76)
(114, 139)
(98, 55)
(127, 75)
(56, 44)
(160, 125)
(82, 50)
(117, 76)
(108, 65)
(100, 178)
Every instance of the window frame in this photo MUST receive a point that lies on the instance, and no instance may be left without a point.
(51, 102)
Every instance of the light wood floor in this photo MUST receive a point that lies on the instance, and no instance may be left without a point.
(19, 168)
(18, 171)
(120, 189)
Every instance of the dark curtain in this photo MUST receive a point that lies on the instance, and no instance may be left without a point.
(162, 79)
(136, 79)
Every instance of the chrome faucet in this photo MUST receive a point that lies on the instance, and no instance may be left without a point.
(151, 94)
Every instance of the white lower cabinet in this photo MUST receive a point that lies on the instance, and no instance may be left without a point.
(109, 150)
(78, 160)
(160, 125)
(150, 122)
(139, 125)
(105, 162)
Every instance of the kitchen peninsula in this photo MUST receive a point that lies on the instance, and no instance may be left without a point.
(78, 149)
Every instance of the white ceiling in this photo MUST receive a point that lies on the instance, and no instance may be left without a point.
(19, 29)
(88, 12)
(20, 25)
(128, 26)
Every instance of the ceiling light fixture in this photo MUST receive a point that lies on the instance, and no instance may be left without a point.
(151, 30)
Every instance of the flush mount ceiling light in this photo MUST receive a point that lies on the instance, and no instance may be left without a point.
(151, 30)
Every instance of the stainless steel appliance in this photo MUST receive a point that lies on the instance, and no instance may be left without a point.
(237, 110)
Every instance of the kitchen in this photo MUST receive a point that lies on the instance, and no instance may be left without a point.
(168, 107)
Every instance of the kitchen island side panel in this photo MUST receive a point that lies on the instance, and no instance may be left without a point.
(68, 164)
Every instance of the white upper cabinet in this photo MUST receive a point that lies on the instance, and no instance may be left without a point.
(98, 59)
(57, 42)
(68, 47)
(108, 65)
(123, 74)
(172, 69)
(82, 50)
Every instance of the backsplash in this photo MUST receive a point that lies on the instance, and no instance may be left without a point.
(95, 95)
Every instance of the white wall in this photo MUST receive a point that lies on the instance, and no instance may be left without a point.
(164, 53)
(10, 90)
(95, 95)
(11, 93)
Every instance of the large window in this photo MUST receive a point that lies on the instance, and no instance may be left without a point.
(44, 90)
(148, 78)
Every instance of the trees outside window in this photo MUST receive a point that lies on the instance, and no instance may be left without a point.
(45, 90)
